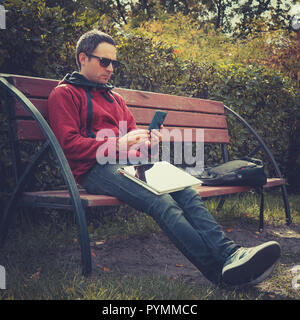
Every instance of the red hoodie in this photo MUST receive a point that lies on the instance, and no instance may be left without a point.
(67, 111)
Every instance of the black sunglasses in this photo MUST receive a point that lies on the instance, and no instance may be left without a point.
(105, 62)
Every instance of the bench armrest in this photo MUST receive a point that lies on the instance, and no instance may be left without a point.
(258, 138)
(64, 166)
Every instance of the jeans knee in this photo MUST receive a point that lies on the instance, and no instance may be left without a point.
(165, 210)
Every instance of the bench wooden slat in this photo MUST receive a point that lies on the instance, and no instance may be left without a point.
(209, 191)
(62, 197)
(89, 200)
(34, 87)
(40, 104)
(29, 130)
(182, 119)
(41, 88)
(169, 102)
(144, 116)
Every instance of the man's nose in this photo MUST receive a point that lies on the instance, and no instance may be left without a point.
(110, 67)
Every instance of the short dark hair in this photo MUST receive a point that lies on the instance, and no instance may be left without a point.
(89, 41)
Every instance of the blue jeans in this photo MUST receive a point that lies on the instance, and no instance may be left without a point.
(181, 215)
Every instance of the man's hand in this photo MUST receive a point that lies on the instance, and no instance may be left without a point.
(133, 138)
(140, 138)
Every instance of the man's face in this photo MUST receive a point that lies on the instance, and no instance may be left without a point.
(91, 68)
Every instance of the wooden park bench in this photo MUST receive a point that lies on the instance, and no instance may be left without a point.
(25, 101)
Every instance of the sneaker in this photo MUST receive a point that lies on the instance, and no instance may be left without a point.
(250, 266)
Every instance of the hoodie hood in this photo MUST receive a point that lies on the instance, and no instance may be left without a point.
(79, 80)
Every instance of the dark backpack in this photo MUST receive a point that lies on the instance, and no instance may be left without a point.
(242, 172)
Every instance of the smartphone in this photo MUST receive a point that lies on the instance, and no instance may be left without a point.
(157, 120)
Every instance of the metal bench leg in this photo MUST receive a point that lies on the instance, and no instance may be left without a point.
(221, 203)
(286, 205)
(261, 211)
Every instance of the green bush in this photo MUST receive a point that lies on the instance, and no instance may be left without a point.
(265, 98)
(39, 39)
(269, 102)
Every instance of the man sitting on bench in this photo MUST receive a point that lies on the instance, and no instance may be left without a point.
(82, 105)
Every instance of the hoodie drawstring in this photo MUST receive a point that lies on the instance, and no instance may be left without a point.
(89, 118)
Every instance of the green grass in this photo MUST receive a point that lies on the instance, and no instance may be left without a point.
(38, 266)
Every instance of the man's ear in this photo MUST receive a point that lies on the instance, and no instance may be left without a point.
(82, 58)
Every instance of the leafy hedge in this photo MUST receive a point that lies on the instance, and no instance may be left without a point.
(267, 99)
(270, 103)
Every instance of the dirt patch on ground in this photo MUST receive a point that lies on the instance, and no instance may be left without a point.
(155, 254)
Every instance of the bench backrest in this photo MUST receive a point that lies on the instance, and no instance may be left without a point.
(183, 112)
